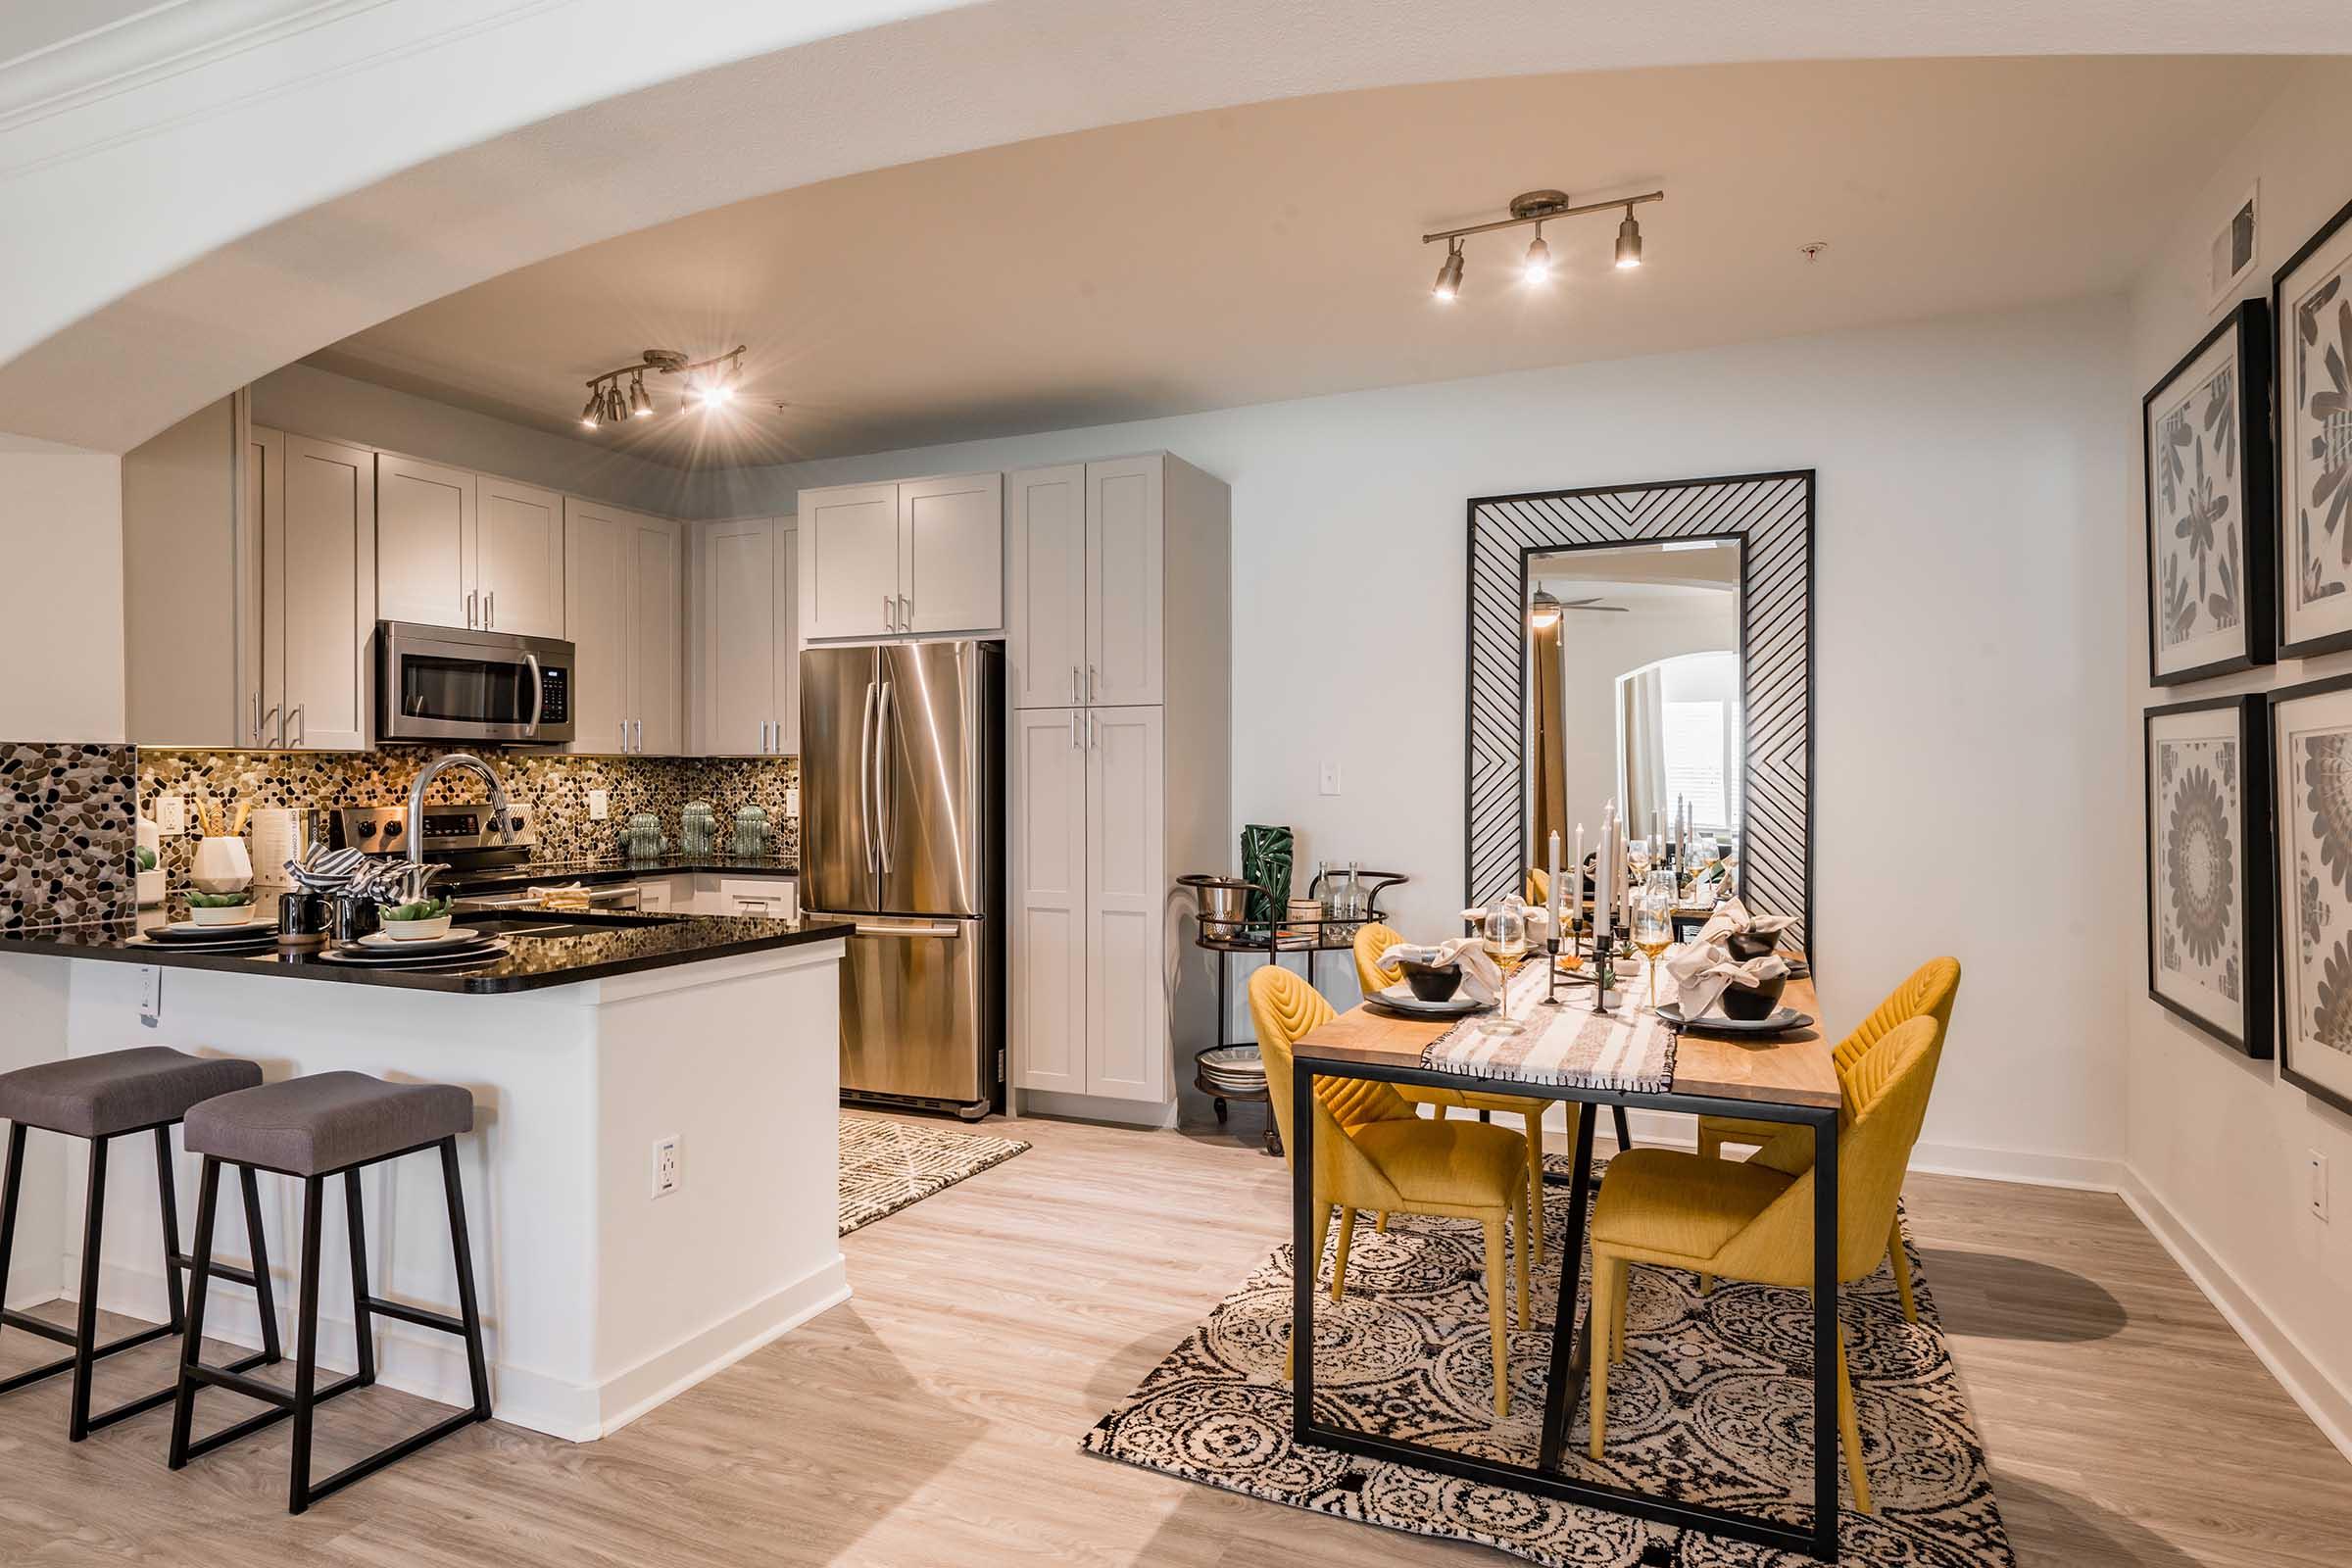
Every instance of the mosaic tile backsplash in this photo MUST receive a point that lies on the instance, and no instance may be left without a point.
(554, 785)
(67, 830)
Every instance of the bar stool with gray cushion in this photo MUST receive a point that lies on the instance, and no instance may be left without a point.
(116, 1094)
(332, 1123)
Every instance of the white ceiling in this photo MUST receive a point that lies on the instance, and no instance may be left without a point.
(1273, 251)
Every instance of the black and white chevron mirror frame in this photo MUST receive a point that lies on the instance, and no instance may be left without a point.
(1772, 514)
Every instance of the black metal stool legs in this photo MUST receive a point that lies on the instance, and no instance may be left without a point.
(82, 1338)
(307, 1394)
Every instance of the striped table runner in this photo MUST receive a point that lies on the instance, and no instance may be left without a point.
(1630, 1050)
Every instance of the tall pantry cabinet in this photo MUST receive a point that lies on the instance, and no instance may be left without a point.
(1118, 676)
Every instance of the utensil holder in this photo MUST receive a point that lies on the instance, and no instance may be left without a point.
(222, 865)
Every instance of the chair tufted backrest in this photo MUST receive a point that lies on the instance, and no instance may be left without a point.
(1930, 990)
(1285, 1007)
(1371, 941)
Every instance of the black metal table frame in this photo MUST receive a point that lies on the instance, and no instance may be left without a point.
(1571, 1349)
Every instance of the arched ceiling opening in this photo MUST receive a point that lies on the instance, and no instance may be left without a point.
(279, 175)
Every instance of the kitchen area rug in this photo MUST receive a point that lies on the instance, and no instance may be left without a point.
(1712, 1404)
(886, 1166)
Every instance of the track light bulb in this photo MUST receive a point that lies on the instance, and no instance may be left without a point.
(1629, 243)
(1537, 268)
(1449, 286)
(640, 406)
(595, 405)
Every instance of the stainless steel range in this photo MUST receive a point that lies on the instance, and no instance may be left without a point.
(463, 838)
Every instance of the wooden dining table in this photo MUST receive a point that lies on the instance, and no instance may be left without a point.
(1788, 1077)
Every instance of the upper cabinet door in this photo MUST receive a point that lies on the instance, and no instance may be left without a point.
(951, 555)
(736, 598)
(1045, 621)
(597, 550)
(424, 542)
(850, 562)
(656, 583)
(518, 562)
(319, 594)
(785, 739)
(1123, 581)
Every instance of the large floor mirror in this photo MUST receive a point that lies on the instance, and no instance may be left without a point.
(1649, 645)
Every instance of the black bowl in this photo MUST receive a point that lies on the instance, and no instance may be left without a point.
(1747, 944)
(1748, 1003)
(1431, 983)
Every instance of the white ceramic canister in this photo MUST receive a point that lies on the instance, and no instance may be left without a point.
(222, 865)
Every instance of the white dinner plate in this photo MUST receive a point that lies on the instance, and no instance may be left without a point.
(1399, 997)
(184, 930)
(487, 951)
(457, 936)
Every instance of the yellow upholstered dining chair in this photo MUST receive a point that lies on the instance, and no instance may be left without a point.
(1928, 993)
(1371, 941)
(1373, 1151)
(1747, 1220)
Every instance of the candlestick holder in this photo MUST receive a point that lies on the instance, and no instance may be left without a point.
(1551, 971)
(1604, 971)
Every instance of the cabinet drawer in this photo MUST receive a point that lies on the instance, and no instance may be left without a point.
(774, 898)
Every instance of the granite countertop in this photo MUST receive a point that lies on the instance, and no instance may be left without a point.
(613, 868)
(617, 943)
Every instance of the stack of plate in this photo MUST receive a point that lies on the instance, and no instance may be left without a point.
(1234, 1070)
(250, 936)
(458, 948)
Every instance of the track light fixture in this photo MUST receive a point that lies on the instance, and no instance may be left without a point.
(1450, 274)
(1539, 206)
(710, 384)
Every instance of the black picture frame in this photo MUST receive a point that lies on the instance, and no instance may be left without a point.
(2258, 909)
(2283, 938)
(2257, 466)
(2282, 500)
(1772, 514)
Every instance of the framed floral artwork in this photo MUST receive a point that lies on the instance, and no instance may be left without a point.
(2311, 308)
(2206, 446)
(2310, 745)
(2209, 867)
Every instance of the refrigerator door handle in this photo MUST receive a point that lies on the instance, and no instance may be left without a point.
(866, 777)
(883, 821)
(944, 930)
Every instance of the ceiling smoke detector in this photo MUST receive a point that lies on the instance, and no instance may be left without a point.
(1812, 251)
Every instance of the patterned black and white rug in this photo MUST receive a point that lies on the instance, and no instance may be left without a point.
(886, 1166)
(1712, 1404)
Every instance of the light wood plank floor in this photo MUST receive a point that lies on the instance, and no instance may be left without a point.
(934, 1419)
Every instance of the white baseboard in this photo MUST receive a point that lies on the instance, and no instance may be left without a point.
(2080, 1172)
(2327, 1402)
(432, 1365)
(1097, 1107)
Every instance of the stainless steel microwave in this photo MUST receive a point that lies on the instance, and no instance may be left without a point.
(446, 683)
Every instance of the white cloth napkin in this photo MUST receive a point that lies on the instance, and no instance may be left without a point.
(1702, 972)
(1731, 918)
(1481, 981)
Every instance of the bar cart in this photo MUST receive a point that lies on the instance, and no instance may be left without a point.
(1313, 937)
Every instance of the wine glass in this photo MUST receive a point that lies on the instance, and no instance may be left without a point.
(1653, 929)
(1637, 858)
(1503, 935)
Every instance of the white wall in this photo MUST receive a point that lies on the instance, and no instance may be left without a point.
(61, 634)
(310, 401)
(1969, 618)
(2217, 1143)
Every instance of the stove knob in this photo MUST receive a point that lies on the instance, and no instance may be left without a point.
(391, 830)
(514, 823)
(366, 830)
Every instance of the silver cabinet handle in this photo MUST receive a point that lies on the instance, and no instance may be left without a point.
(473, 597)
(261, 726)
(490, 609)
(906, 614)
(890, 611)
(257, 718)
(1074, 741)
(624, 734)
(1094, 731)
(763, 737)
(1075, 694)
(1094, 683)
(292, 714)
(639, 726)
(745, 905)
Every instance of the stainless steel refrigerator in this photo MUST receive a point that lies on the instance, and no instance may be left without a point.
(903, 832)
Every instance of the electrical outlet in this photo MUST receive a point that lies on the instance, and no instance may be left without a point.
(600, 804)
(665, 1167)
(172, 815)
(151, 995)
(2317, 1164)
(1331, 779)
(792, 801)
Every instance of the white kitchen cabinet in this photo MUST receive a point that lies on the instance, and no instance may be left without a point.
(850, 562)
(772, 898)
(1124, 587)
(745, 673)
(922, 558)
(1048, 947)
(624, 591)
(318, 591)
(519, 559)
(424, 541)
(1127, 1054)
(461, 549)
(1045, 619)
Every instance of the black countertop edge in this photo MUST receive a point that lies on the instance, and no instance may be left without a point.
(553, 874)
(626, 945)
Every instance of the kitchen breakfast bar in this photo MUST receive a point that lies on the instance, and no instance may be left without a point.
(653, 1167)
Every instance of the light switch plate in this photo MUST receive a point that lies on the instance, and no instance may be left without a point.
(2317, 1164)
(171, 814)
(600, 804)
(1331, 779)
